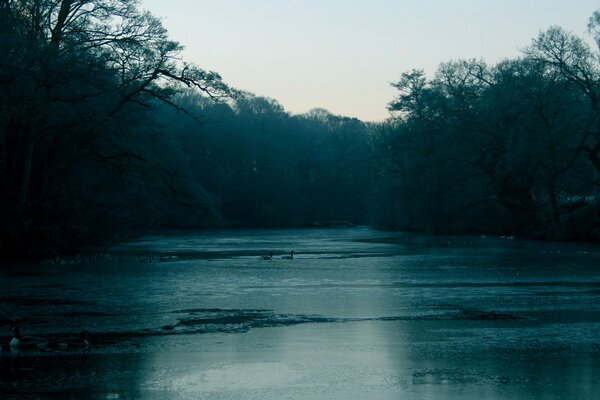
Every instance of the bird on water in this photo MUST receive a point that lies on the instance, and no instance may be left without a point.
(290, 257)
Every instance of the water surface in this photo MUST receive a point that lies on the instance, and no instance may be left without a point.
(355, 314)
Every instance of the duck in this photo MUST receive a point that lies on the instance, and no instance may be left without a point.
(26, 342)
(290, 257)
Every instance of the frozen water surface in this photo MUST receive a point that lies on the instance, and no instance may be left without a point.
(357, 314)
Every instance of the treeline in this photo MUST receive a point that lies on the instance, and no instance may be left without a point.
(257, 165)
(105, 133)
(511, 148)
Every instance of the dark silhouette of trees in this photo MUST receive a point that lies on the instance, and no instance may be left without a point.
(570, 57)
(105, 133)
(77, 78)
(261, 166)
(510, 148)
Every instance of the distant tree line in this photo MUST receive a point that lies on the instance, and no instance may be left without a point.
(257, 165)
(105, 133)
(511, 148)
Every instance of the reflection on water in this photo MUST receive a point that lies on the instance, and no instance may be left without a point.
(357, 314)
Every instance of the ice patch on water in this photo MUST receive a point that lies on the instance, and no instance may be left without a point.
(239, 377)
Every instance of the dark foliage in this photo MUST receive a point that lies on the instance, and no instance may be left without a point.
(257, 165)
(104, 134)
(506, 149)
(77, 158)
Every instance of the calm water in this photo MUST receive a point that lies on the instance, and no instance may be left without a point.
(357, 314)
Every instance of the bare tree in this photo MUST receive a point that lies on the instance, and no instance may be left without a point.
(73, 73)
(571, 56)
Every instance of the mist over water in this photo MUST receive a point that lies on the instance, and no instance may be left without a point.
(356, 313)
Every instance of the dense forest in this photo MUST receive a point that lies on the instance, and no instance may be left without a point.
(252, 164)
(511, 148)
(106, 133)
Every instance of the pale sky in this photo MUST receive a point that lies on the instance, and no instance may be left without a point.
(341, 55)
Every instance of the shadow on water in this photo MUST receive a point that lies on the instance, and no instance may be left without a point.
(78, 376)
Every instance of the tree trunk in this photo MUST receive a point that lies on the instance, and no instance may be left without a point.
(63, 13)
(554, 209)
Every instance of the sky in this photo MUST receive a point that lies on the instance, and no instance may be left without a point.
(342, 55)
